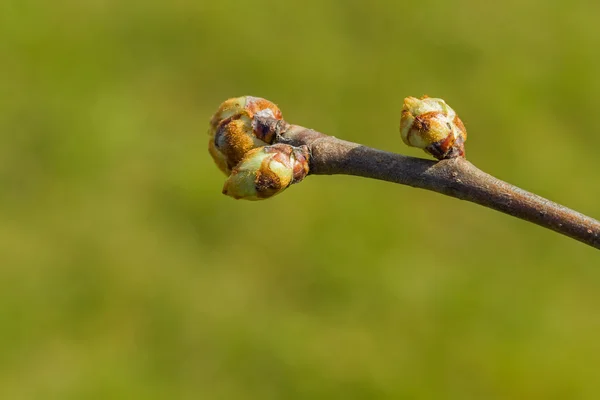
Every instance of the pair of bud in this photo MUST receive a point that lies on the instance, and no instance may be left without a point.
(242, 132)
(430, 124)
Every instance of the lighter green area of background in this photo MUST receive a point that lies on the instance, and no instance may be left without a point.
(124, 273)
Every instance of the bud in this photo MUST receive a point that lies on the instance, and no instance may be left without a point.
(235, 130)
(430, 124)
(267, 171)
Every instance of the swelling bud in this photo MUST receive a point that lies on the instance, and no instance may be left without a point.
(432, 125)
(266, 171)
(238, 126)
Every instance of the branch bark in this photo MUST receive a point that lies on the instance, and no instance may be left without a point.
(454, 177)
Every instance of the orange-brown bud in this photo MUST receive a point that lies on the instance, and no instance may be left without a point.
(237, 128)
(432, 125)
(267, 171)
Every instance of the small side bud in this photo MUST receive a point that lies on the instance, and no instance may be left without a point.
(267, 171)
(238, 127)
(432, 125)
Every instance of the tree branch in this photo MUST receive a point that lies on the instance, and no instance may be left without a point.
(454, 177)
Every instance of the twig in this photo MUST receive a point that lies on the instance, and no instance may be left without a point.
(263, 155)
(455, 177)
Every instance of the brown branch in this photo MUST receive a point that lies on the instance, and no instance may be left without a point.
(454, 177)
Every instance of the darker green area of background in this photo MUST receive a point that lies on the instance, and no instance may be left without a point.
(124, 273)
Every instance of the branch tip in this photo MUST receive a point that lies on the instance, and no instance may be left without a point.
(263, 155)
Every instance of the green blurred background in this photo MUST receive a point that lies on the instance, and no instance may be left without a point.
(125, 273)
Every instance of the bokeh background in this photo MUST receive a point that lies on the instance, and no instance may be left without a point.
(125, 273)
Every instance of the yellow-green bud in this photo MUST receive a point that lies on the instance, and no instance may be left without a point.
(432, 125)
(234, 130)
(267, 171)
